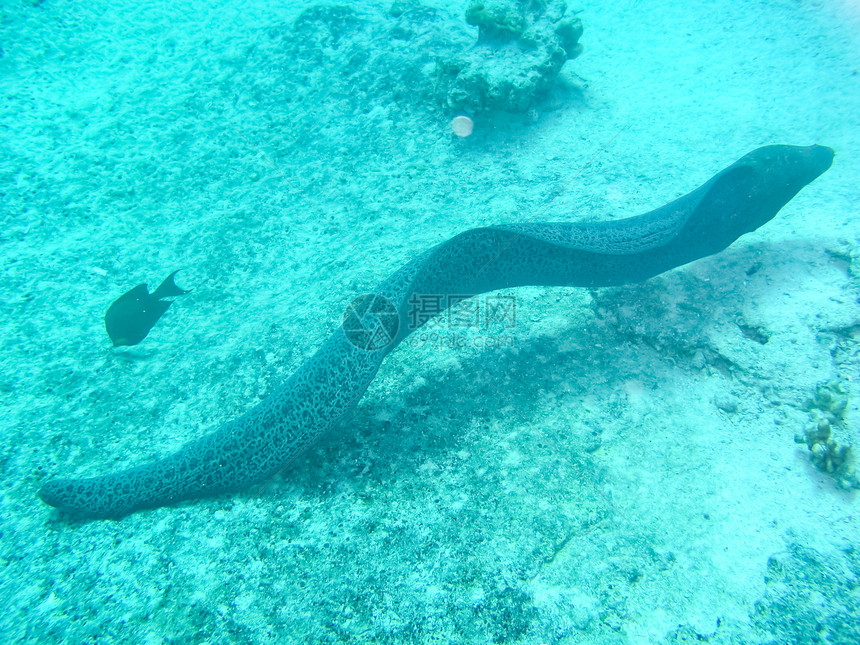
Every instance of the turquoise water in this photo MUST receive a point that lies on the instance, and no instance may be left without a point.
(618, 466)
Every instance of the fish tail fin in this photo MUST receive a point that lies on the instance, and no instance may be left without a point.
(168, 288)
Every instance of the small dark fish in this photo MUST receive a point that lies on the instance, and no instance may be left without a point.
(754, 268)
(131, 316)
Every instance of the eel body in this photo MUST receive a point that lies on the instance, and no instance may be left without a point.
(325, 389)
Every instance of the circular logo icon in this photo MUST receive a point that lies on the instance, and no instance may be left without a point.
(371, 322)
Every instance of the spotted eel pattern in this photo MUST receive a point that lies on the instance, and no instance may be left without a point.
(325, 389)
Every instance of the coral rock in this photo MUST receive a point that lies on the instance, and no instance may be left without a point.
(521, 48)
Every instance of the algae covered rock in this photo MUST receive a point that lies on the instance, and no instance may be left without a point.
(521, 48)
(810, 597)
(501, 20)
(828, 454)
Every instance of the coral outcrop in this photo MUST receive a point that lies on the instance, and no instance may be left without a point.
(521, 48)
(828, 454)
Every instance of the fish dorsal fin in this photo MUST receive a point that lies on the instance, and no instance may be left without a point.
(168, 288)
(140, 291)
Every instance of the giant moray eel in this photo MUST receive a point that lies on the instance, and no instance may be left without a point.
(324, 390)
